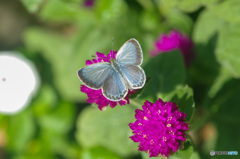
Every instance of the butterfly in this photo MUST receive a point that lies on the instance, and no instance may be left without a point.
(118, 76)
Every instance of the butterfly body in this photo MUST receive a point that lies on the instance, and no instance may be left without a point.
(116, 77)
(117, 67)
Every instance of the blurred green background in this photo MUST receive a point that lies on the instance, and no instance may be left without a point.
(58, 36)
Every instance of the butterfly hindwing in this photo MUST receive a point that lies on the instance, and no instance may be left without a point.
(130, 53)
(94, 75)
(114, 87)
(129, 58)
(134, 75)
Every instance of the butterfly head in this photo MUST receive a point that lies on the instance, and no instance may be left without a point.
(112, 60)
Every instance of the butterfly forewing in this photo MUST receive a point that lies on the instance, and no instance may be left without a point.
(130, 53)
(95, 75)
(114, 87)
(134, 75)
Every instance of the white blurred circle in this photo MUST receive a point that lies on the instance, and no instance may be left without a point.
(18, 82)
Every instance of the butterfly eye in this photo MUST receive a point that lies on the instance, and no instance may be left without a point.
(112, 59)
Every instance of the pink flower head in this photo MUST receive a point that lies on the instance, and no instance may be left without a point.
(160, 128)
(175, 40)
(96, 96)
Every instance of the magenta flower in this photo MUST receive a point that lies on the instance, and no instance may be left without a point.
(96, 96)
(175, 40)
(160, 128)
(88, 3)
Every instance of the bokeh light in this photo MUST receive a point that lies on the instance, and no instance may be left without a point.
(18, 82)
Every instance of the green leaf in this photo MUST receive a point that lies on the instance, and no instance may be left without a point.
(167, 70)
(47, 145)
(98, 153)
(228, 52)
(145, 155)
(147, 5)
(228, 133)
(195, 155)
(21, 128)
(45, 101)
(107, 10)
(220, 80)
(108, 129)
(207, 25)
(169, 4)
(54, 122)
(179, 21)
(150, 20)
(193, 5)
(225, 108)
(60, 11)
(185, 153)
(205, 67)
(52, 142)
(183, 97)
(74, 12)
(228, 10)
(58, 120)
(226, 102)
(32, 5)
(187, 5)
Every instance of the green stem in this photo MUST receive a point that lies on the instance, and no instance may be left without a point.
(196, 125)
(136, 103)
(192, 142)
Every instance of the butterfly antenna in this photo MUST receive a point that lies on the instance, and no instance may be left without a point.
(112, 45)
(93, 55)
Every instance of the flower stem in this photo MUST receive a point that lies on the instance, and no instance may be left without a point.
(136, 103)
(191, 140)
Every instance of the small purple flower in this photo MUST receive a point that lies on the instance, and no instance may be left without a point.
(160, 128)
(88, 3)
(96, 96)
(175, 40)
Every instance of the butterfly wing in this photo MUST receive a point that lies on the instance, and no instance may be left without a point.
(94, 75)
(134, 75)
(114, 87)
(129, 58)
(130, 53)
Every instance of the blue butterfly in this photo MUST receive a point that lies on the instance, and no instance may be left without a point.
(117, 77)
